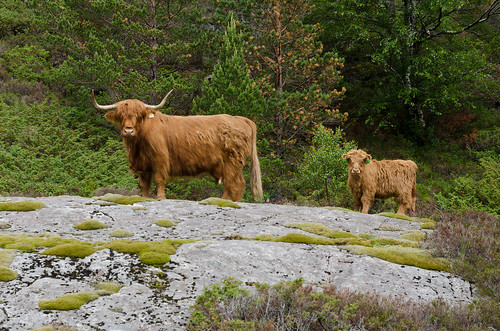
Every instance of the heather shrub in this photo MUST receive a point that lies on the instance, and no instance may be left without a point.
(294, 306)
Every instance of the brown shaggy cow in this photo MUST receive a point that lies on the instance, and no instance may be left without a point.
(369, 179)
(162, 146)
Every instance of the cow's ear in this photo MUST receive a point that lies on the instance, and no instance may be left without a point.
(345, 157)
(368, 158)
(112, 116)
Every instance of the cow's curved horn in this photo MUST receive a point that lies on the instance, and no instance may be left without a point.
(158, 106)
(98, 106)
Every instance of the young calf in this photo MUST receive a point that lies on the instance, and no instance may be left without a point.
(369, 179)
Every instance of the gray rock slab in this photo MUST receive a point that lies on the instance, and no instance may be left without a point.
(159, 298)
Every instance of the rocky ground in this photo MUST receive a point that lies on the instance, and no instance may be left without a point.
(154, 298)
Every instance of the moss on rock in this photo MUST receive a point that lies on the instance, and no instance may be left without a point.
(220, 202)
(68, 301)
(122, 199)
(414, 235)
(165, 223)
(321, 229)
(91, 225)
(71, 250)
(403, 255)
(299, 238)
(21, 206)
(154, 258)
(120, 233)
(6, 274)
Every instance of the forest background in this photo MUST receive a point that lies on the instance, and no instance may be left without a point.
(399, 78)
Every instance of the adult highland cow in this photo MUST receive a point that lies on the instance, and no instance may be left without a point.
(369, 179)
(160, 146)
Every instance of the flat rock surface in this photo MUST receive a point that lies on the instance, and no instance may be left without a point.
(159, 298)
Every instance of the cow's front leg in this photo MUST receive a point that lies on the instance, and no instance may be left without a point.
(145, 182)
(160, 186)
(357, 203)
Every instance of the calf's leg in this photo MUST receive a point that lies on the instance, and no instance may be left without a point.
(366, 201)
(160, 186)
(145, 182)
(234, 183)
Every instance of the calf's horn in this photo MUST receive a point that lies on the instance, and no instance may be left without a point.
(98, 106)
(158, 106)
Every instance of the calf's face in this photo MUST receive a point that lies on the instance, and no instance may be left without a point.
(129, 116)
(356, 160)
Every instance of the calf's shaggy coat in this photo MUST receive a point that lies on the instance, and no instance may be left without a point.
(369, 179)
(160, 146)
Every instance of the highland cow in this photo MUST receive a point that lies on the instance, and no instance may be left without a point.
(160, 146)
(369, 179)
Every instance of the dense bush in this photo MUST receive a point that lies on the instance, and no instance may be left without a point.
(322, 175)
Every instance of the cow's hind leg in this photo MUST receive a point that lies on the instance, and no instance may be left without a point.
(145, 182)
(234, 184)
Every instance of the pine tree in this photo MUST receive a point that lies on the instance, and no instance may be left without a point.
(231, 90)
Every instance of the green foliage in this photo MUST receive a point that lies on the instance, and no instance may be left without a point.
(45, 150)
(322, 173)
(472, 193)
(230, 90)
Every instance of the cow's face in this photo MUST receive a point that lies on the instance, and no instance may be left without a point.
(129, 116)
(356, 160)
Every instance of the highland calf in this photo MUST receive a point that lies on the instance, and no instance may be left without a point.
(160, 146)
(369, 179)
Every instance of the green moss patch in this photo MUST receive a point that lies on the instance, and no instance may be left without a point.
(154, 258)
(21, 206)
(68, 301)
(393, 242)
(299, 238)
(6, 257)
(388, 227)
(6, 274)
(428, 225)
(91, 225)
(403, 255)
(166, 223)
(122, 199)
(321, 229)
(109, 287)
(120, 233)
(71, 250)
(152, 253)
(220, 202)
(414, 235)
(337, 208)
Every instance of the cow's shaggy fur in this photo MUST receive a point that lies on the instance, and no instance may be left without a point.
(369, 179)
(160, 146)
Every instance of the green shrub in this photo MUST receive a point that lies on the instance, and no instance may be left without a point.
(323, 173)
(472, 193)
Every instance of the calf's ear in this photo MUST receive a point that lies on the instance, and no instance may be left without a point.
(368, 158)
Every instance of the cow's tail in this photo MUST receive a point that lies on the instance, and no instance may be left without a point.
(255, 175)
